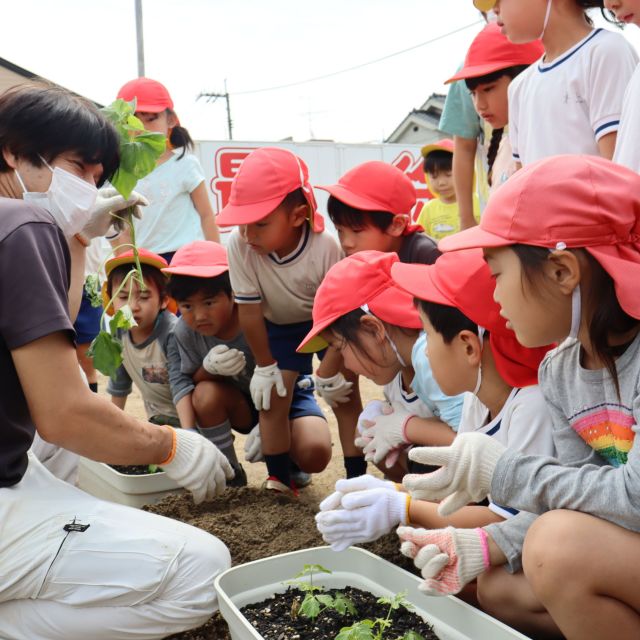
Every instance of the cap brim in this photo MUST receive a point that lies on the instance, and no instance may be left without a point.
(234, 214)
(418, 281)
(119, 261)
(484, 5)
(428, 148)
(350, 198)
(481, 70)
(312, 342)
(474, 238)
(197, 272)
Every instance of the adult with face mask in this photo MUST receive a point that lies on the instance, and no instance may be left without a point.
(72, 563)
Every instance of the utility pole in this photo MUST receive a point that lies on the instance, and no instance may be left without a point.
(212, 97)
(139, 38)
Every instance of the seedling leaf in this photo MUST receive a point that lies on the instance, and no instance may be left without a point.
(342, 605)
(92, 289)
(412, 635)
(106, 352)
(310, 607)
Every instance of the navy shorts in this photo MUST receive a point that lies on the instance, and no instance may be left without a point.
(87, 324)
(283, 342)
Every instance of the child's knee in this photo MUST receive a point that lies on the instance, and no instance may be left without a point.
(205, 396)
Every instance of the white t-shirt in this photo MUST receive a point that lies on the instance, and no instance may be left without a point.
(523, 424)
(397, 395)
(567, 105)
(628, 142)
(170, 220)
(285, 286)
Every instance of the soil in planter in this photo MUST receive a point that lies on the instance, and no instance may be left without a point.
(272, 617)
(134, 469)
(256, 524)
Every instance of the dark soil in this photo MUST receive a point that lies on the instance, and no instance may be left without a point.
(134, 469)
(274, 620)
(257, 524)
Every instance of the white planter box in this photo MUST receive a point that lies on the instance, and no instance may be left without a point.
(452, 619)
(102, 481)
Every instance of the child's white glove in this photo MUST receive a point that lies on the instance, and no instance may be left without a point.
(349, 485)
(198, 465)
(253, 446)
(334, 390)
(466, 470)
(364, 517)
(262, 381)
(105, 212)
(371, 411)
(386, 435)
(222, 361)
(447, 558)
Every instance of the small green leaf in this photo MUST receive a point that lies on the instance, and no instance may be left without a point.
(122, 319)
(325, 599)
(310, 607)
(360, 631)
(92, 289)
(153, 468)
(106, 352)
(310, 569)
(412, 635)
(344, 605)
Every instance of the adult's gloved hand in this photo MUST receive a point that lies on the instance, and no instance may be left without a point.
(197, 465)
(107, 211)
(386, 435)
(466, 470)
(350, 485)
(447, 558)
(262, 381)
(371, 411)
(222, 361)
(253, 446)
(334, 390)
(364, 517)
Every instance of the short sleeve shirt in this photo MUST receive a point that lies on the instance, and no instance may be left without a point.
(34, 284)
(418, 248)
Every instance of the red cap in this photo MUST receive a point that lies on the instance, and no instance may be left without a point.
(568, 201)
(151, 96)
(362, 279)
(375, 186)
(446, 144)
(491, 51)
(266, 176)
(463, 280)
(200, 259)
(145, 257)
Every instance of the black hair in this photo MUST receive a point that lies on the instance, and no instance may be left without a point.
(447, 321)
(182, 287)
(37, 119)
(294, 199)
(180, 137)
(149, 272)
(437, 161)
(346, 216)
(496, 136)
(605, 313)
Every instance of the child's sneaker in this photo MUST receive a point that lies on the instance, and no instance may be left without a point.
(300, 478)
(240, 479)
(273, 484)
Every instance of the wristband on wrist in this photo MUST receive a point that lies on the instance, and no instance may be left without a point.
(174, 444)
(484, 543)
(407, 509)
(82, 240)
(404, 428)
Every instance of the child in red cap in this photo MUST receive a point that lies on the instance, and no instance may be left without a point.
(179, 209)
(569, 276)
(440, 216)
(370, 207)
(277, 258)
(145, 346)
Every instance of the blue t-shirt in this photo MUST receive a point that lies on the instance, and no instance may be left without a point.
(447, 408)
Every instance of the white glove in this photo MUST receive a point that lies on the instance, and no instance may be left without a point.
(447, 558)
(465, 475)
(386, 434)
(365, 516)
(371, 411)
(334, 390)
(222, 361)
(262, 381)
(198, 466)
(349, 485)
(108, 203)
(253, 446)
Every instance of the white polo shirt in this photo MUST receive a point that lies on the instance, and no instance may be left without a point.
(628, 141)
(567, 105)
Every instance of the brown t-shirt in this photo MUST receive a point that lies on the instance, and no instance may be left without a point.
(34, 281)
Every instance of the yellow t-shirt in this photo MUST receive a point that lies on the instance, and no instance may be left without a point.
(440, 220)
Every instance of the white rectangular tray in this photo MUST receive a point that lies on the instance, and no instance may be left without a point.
(452, 619)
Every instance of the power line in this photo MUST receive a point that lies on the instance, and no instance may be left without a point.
(359, 66)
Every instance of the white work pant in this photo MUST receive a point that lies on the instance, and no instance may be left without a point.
(61, 463)
(130, 574)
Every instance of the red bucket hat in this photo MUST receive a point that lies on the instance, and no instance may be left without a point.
(491, 51)
(266, 176)
(200, 259)
(361, 279)
(375, 186)
(151, 96)
(463, 280)
(568, 201)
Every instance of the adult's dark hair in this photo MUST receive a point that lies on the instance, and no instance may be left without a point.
(343, 215)
(180, 137)
(37, 119)
(447, 321)
(437, 161)
(496, 136)
(182, 287)
(149, 272)
(605, 314)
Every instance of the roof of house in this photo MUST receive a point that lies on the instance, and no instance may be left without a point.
(428, 116)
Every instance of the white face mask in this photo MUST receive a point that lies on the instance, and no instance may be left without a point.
(69, 199)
